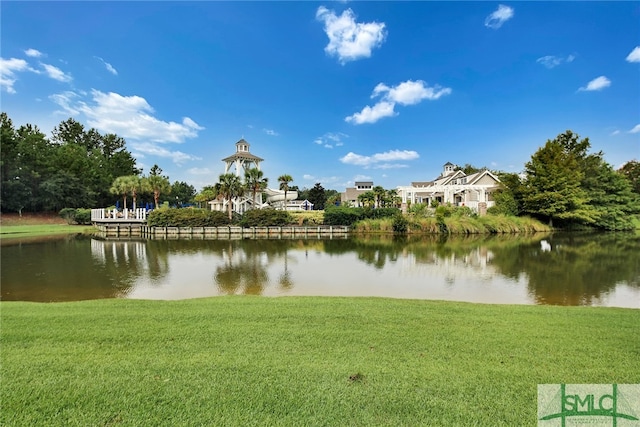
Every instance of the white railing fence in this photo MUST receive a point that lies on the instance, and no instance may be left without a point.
(104, 215)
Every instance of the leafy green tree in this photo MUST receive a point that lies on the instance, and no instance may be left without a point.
(8, 148)
(469, 169)
(183, 192)
(284, 181)
(157, 183)
(229, 187)
(75, 158)
(317, 195)
(205, 195)
(15, 195)
(333, 198)
(62, 189)
(553, 186)
(71, 131)
(255, 181)
(611, 195)
(631, 170)
(508, 198)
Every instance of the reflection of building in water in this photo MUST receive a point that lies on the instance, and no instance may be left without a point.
(118, 251)
(471, 265)
(131, 258)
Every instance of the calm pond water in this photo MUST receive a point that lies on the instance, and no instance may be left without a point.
(562, 269)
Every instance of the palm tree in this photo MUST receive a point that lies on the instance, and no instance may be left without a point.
(255, 182)
(157, 183)
(134, 184)
(367, 198)
(379, 193)
(393, 198)
(121, 187)
(284, 181)
(229, 187)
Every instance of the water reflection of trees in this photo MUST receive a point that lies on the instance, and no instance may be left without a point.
(246, 262)
(580, 269)
(571, 269)
(575, 269)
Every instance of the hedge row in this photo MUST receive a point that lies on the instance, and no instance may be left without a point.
(166, 217)
(265, 218)
(339, 215)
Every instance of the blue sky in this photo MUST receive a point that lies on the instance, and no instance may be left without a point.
(329, 92)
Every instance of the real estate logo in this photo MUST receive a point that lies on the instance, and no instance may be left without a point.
(616, 405)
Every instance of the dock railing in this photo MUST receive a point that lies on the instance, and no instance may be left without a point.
(115, 215)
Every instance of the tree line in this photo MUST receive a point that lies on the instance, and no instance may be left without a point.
(76, 167)
(567, 186)
(562, 184)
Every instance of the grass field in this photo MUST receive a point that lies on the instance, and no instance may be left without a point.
(28, 225)
(255, 361)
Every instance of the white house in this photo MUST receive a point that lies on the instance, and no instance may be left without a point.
(453, 187)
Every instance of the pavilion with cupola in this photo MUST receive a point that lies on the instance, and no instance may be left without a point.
(239, 163)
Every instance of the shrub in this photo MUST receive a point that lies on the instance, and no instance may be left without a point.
(310, 218)
(68, 214)
(400, 224)
(170, 217)
(76, 216)
(265, 218)
(340, 215)
(83, 216)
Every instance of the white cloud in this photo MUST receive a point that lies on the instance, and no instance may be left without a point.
(410, 92)
(615, 132)
(636, 129)
(406, 93)
(270, 132)
(56, 73)
(380, 160)
(499, 17)
(598, 83)
(200, 171)
(8, 70)
(128, 116)
(66, 100)
(178, 157)
(33, 53)
(331, 139)
(190, 123)
(551, 61)
(108, 66)
(372, 114)
(350, 40)
(634, 56)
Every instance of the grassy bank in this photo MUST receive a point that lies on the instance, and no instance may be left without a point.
(41, 230)
(301, 361)
(484, 224)
(30, 225)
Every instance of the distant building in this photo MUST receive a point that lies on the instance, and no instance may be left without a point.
(350, 196)
(453, 187)
(239, 163)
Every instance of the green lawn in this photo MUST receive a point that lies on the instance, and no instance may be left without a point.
(296, 361)
(10, 231)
